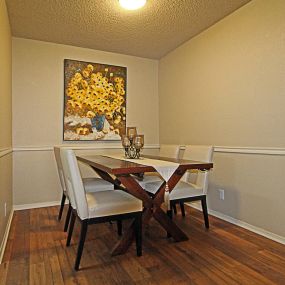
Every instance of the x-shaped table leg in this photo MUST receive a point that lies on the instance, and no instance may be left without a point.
(152, 207)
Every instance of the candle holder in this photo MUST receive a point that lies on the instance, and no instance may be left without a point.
(132, 143)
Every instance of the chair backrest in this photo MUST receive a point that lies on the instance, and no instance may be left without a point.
(202, 153)
(56, 150)
(74, 182)
(169, 150)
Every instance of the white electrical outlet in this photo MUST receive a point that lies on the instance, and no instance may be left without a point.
(222, 194)
(5, 209)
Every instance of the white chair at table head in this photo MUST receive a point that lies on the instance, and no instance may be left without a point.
(194, 185)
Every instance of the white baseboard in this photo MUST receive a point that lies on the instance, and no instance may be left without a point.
(36, 205)
(242, 224)
(6, 234)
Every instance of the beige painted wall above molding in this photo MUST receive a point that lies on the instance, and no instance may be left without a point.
(226, 85)
(38, 90)
(5, 79)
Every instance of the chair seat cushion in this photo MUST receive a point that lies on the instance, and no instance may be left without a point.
(149, 178)
(185, 190)
(181, 190)
(108, 203)
(96, 184)
(152, 187)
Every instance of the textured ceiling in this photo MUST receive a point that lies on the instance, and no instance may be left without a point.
(151, 32)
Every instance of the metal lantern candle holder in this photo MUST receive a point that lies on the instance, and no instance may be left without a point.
(132, 143)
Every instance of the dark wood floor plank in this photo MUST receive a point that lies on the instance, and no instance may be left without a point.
(226, 267)
(236, 252)
(195, 268)
(37, 274)
(18, 271)
(134, 269)
(8, 251)
(224, 254)
(258, 240)
(50, 237)
(238, 249)
(3, 272)
(250, 258)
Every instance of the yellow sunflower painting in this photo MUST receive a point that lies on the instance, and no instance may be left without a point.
(94, 101)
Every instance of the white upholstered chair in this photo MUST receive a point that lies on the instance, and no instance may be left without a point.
(194, 185)
(97, 207)
(166, 150)
(90, 185)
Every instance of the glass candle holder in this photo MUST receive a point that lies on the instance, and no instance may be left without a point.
(139, 141)
(132, 143)
(131, 132)
(125, 141)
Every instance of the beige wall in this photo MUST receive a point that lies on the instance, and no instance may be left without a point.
(226, 87)
(38, 110)
(5, 120)
(5, 79)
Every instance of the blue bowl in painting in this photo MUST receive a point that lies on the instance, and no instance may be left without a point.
(98, 122)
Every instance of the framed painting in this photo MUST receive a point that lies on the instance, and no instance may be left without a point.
(94, 101)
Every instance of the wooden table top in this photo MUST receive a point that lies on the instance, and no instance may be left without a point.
(117, 166)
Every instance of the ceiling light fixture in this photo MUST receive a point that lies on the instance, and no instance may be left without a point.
(132, 4)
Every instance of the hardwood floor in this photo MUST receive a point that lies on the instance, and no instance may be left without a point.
(224, 254)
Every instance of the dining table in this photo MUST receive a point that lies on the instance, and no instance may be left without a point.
(124, 174)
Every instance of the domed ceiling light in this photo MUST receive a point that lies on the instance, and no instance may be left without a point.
(132, 4)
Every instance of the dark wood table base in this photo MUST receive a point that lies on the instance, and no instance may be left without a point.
(122, 178)
(152, 208)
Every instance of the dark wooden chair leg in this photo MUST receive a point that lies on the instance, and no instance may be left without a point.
(84, 227)
(71, 226)
(67, 217)
(205, 211)
(169, 214)
(63, 198)
(182, 209)
(174, 209)
(120, 227)
(138, 233)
